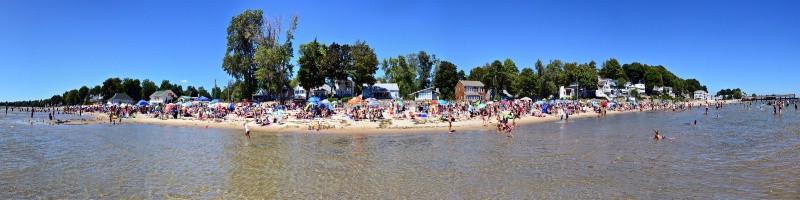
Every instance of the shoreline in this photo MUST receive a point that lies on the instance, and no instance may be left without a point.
(347, 126)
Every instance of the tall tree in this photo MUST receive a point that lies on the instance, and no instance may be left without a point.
(337, 63)
(652, 78)
(203, 92)
(539, 71)
(364, 64)
(273, 58)
(476, 74)
(635, 71)
(165, 85)
(397, 70)
(508, 74)
(527, 82)
(148, 88)
(216, 92)
(551, 77)
(83, 93)
(445, 79)
(311, 61)
(133, 88)
(462, 75)
(245, 35)
(110, 87)
(424, 64)
(190, 91)
(612, 70)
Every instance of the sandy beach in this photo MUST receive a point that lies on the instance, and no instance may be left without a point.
(340, 125)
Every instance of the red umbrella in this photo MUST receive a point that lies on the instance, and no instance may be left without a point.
(604, 104)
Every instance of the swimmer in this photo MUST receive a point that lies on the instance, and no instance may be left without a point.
(658, 137)
(695, 122)
(247, 131)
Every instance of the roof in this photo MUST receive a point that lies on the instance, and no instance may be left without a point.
(430, 88)
(161, 93)
(121, 96)
(471, 83)
(383, 86)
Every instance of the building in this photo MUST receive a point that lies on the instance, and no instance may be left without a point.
(185, 99)
(162, 97)
(470, 90)
(702, 96)
(430, 93)
(321, 92)
(344, 88)
(381, 91)
(504, 95)
(96, 98)
(565, 93)
(121, 98)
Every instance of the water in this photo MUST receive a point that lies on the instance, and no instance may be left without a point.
(745, 153)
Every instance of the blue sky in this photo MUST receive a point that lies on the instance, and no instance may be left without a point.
(48, 47)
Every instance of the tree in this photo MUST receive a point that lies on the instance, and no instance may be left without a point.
(445, 79)
(476, 74)
(424, 64)
(612, 70)
(634, 71)
(495, 75)
(165, 85)
(133, 88)
(72, 97)
(148, 88)
(83, 93)
(244, 36)
(216, 92)
(110, 87)
(462, 75)
(190, 91)
(274, 69)
(397, 70)
(177, 89)
(553, 72)
(55, 100)
(203, 92)
(311, 61)
(364, 64)
(527, 82)
(539, 71)
(693, 85)
(337, 63)
(652, 78)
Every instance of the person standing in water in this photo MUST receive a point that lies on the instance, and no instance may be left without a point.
(32, 111)
(247, 131)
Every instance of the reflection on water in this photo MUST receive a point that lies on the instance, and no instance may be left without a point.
(745, 153)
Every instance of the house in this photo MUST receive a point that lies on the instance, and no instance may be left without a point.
(185, 99)
(470, 90)
(162, 97)
(344, 88)
(321, 92)
(262, 95)
(430, 93)
(565, 93)
(96, 98)
(121, 98)
(606, 88)
(381, 91)
(702, 95)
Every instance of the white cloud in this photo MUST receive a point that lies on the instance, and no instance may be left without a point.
(184, 81)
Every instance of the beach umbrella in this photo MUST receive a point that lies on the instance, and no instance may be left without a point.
(313, 100)
(142, 103)
(325, 101)
(218, 106)
(202, 98)
(442, 102)
(214, 101)
(187, 104)
(307, 106)
(481, 106)
(434, 101)
(666, 101)
(355, 100)
(323, 106)
(400, 103)
(373, 103)
(254, 104)
(526, 98)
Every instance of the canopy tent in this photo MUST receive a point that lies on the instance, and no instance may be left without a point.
(142, 103)
(202, 98)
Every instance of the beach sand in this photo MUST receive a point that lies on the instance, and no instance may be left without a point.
(342, 125)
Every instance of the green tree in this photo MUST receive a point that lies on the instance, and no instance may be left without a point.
(148, 88)
(652, 78)
(635, 71)
(495, 74)
(83, 94)
(508, 75)
(551, 77)
(245, 34)
(56, 99)
(178, 89)
(165, 85)
(477, 73)
(462, 75)
(337, 63)
(364, 64)
(612, 70)
(216, 92)
(446, 80)
(527, 82)
(110, 87)
(203, 92)
(311, 62)
(274, 69)
(424, 64)
(72, 97)
(190, 91)
(133, 88)
(397, 70)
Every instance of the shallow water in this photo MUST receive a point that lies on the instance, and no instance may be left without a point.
(745, 153)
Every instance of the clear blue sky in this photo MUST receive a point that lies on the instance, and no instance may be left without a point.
(48, 47)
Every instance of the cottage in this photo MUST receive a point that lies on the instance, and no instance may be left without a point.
(321, 92)
(430, 93)
(162, 97)
(470, 90)
(702, 96)
(121, 98)
(344, 88)
(381, 91)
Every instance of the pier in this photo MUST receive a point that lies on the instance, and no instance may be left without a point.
(771, 97)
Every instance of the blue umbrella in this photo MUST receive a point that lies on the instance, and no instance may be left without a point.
(666, 101)
(373, 103)
(313, 100)
(187, 104)
(202, 98)
(442, 102)
(483, 105)
(214, 101)
(142, 103)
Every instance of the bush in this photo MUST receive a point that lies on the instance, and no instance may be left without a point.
(332, 99)
(345, 99)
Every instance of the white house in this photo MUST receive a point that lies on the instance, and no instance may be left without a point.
(381, 91)
(120, 98)
(702, 96)
(97, 98)
(430, 93)
(162, 97)
(321, 92)
(606, 88)
(344, 88)
(565, 93)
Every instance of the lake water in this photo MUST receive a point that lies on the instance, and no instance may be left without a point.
(745, 153)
